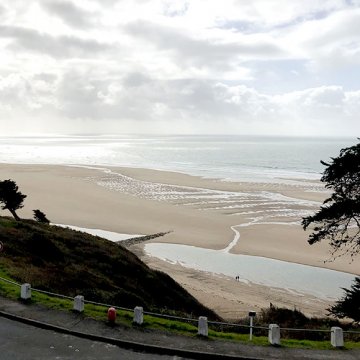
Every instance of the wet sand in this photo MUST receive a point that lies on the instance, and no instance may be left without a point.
(199, 212)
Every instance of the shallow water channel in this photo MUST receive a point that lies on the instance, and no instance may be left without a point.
(323, 283)
(297, 278)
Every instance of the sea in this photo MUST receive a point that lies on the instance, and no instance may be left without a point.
(229, 158)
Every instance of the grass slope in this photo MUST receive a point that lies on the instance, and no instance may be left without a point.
(71, 263)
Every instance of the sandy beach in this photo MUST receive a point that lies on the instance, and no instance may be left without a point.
(199, 212)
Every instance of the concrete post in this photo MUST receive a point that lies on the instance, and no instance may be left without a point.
(203, 326)
(25, 292)
(274, 334)
(337, 337)
(138, 315)
(251, 328)
(252, 314)
(79, 303)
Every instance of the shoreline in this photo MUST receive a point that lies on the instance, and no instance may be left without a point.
(88, 176)
(199, 211)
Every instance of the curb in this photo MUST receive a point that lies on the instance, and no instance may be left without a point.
(126, 344)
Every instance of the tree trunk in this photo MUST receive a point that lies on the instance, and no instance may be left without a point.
(14, 214)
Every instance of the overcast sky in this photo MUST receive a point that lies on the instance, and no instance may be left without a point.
(180, 66)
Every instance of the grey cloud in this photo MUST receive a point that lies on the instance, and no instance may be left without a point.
(204, 100)
(47, 77)
(58, 47)
(136, 79)
(324, 103)
(200, 52)
(69, 13)
(78, 88)
(345, 31)
(12, 90)
(84, 97)
(138, 97)
(143, 101)
(27, 93)
(173, 9)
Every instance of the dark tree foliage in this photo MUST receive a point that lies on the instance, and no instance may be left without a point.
(349, 305)
(338, 219)
(40, 216)
(10, 197)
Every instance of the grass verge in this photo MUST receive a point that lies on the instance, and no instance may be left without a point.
(125, 318)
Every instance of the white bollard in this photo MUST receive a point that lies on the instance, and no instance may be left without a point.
(274, 334)
(79, 303)
(203, 326)
(252, 314)
(138, 315)
(337, 337)
(25, 292)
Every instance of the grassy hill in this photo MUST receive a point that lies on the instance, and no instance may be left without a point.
(74, 263)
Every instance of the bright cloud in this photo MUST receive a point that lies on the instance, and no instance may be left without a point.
(279, 67)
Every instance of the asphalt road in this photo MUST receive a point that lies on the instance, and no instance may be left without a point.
(24, 342)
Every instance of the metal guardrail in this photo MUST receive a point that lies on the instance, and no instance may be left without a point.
(312, 330)
(351, 332)
(173, 317)
(9, 281)
(238, 325)
(52, 294)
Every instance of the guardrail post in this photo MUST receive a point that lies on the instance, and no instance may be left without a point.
(252, 315)
(203, 326)
(274, 334)
(25, 292)
(337, 337)
(79, 303)
(138, 315)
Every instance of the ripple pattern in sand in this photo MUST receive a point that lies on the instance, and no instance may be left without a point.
(256, 207)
